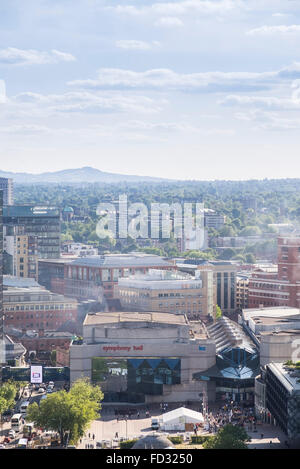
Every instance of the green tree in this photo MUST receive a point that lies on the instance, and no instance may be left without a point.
(8, 392)
(218, 312)
(228, 437)
(68, 413)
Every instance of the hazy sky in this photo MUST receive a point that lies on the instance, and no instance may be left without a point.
(194, 89)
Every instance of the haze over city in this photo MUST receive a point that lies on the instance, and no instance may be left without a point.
(134, 87)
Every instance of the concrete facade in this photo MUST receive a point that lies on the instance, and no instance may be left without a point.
(147, 335)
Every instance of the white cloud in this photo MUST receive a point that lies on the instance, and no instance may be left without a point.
(24, 129)
(13, 56)
(266, 102)
(269, 121)
(157, 79)
(130, 44)
(269, 30)
(82, 102)
(169, 22)
(2, 92)
(183, 7)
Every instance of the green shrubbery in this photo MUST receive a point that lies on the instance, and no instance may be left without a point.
(198, 440)
(128, 444)
(176, 440)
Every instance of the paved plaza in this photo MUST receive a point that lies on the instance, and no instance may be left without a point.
(105, 429)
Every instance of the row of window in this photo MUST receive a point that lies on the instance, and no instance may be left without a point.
(38, 307)
(41, 315)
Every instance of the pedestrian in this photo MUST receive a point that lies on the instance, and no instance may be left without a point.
(138, 415)
(117, 435)
(262, 435)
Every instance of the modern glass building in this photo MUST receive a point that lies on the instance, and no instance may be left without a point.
(237, 363)
(40, 222)
(283, 397)
(130, 379)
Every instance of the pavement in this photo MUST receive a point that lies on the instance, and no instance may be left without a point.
(106, 428)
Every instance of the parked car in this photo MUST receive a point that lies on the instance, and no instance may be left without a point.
(41, 390)
(2, 446)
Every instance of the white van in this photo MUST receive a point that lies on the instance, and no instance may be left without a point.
(155, 423)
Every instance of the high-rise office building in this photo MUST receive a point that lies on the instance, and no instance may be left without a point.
(40, 222)
(6, 185)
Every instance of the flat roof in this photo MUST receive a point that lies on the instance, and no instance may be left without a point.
(124, 316)
(22, 282)
(30, 211)
(273, 312)
(287, 376)
(122, 260)
(268, 320)
(287, 332)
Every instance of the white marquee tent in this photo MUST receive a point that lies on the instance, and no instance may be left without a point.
(176, 419)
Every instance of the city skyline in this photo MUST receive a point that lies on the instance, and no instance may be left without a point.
(134, 87)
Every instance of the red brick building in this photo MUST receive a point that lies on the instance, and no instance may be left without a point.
(37, 308)
(281, 288)
(95, 277)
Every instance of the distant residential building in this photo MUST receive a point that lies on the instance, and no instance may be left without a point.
(30, 306)
(40, 222)
(249, 203)
(213, 220)
(79, 249)
(6, 185)
(21, 252)
(280, 288)
(169, 291)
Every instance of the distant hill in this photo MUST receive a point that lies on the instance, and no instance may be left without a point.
(75, 176)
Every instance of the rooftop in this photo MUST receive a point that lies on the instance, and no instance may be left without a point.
(20, 282)
(269, 320)
(157, 279)
(30, 211)
(117, 317)
(273, 312)
(120, 260)
(288, 376)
